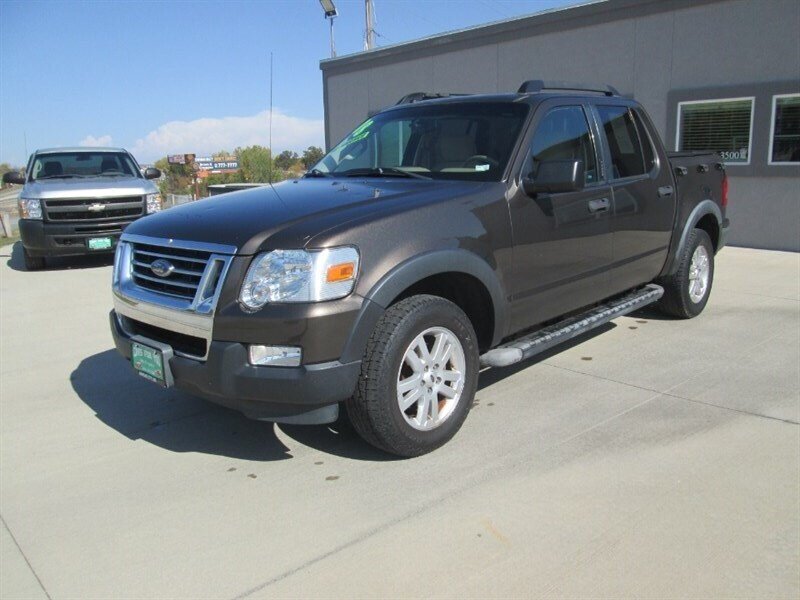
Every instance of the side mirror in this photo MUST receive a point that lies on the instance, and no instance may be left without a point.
(152, 173)
(554, 177)
(14, 177)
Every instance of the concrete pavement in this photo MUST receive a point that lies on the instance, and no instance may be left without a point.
(654, 458)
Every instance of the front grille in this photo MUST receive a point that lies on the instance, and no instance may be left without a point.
(180, 342)
(182, 282)
(94, 209)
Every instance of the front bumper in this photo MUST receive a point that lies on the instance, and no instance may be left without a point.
(306, 394)
(67, 239)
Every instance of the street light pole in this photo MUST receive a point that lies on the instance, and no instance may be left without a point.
(330, 14)
(333, 43)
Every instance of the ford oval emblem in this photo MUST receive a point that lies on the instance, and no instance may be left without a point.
(162, 268)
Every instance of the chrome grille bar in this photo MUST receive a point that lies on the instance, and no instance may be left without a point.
(183, 301)
(93, 209)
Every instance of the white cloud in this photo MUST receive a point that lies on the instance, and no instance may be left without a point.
(208, 135)
(90, 140)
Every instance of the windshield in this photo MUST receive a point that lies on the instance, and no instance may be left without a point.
(63, 165)
(470, 141)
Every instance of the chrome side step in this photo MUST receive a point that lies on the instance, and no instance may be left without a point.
(544, 339)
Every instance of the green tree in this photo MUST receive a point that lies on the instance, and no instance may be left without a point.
(177, 178)
(255, 164)
(5, 168)
(312, 156)
(286, 159)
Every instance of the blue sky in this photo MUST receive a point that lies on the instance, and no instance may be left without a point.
(159, 77)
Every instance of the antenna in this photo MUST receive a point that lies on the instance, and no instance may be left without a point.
(25, 140)
(270, 118)
(369, 32)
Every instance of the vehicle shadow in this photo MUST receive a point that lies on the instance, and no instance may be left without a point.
(651, 313)
(178, 422)
(90, 261)
(14, 257)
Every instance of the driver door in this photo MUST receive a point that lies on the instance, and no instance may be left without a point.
(562, 241)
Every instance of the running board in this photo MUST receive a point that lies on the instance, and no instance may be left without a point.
(544, 339)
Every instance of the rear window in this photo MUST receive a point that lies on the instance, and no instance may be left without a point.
(64, 165)
(624, 142)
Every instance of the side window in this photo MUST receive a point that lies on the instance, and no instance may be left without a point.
(647, 144)
(563, 134)
(623, 140)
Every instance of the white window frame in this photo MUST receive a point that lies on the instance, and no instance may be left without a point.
(750, 137)
(772, 131)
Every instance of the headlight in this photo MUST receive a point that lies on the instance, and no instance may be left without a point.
(153, 203)
(299, 276)
(30, 208)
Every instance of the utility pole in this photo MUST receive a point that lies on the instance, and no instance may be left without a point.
(369, 32)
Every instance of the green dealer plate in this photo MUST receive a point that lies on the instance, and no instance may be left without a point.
(103, 243)
(148, 362)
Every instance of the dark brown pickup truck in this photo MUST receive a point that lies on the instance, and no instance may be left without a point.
(442, 234)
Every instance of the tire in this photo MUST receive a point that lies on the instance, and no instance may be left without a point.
(683, 296)
(441, 402)
(32, 263)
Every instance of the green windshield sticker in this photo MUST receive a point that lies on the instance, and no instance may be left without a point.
(360, 132)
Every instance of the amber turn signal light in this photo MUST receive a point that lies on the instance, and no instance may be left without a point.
(341, 272)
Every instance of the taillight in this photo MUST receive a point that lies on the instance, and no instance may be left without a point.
(724, 199)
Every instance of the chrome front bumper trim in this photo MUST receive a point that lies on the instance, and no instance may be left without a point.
(185, 322)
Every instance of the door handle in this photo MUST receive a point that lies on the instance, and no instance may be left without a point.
(665, 191)
(599, 205)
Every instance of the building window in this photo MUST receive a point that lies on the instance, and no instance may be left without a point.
(724, 126)
(784, 143)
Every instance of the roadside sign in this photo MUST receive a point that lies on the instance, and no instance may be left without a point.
(180, 159)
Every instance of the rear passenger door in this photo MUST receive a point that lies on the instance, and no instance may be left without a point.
(562, 241)
(643, 196)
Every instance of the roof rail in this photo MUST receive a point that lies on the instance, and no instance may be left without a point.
(534, 86)
(420, 96)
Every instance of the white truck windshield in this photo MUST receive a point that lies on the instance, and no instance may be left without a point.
(63, 165)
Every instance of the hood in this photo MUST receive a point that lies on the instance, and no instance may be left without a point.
(246, 219)
(94, 187)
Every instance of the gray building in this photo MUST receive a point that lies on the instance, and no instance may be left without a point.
(713, 74)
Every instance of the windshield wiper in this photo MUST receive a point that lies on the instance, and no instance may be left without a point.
(317, 173)
(383, 172)
(62, 176)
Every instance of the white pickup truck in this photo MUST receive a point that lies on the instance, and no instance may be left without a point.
(78, 201)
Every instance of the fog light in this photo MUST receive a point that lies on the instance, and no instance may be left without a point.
(275, 356)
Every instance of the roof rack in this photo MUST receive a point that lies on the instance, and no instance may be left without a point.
(535, 86)
(420, 96)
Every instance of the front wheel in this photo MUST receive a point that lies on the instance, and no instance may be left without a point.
(418, 377)
(686, 292)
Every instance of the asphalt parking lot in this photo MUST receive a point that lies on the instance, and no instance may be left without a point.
(654, 458)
